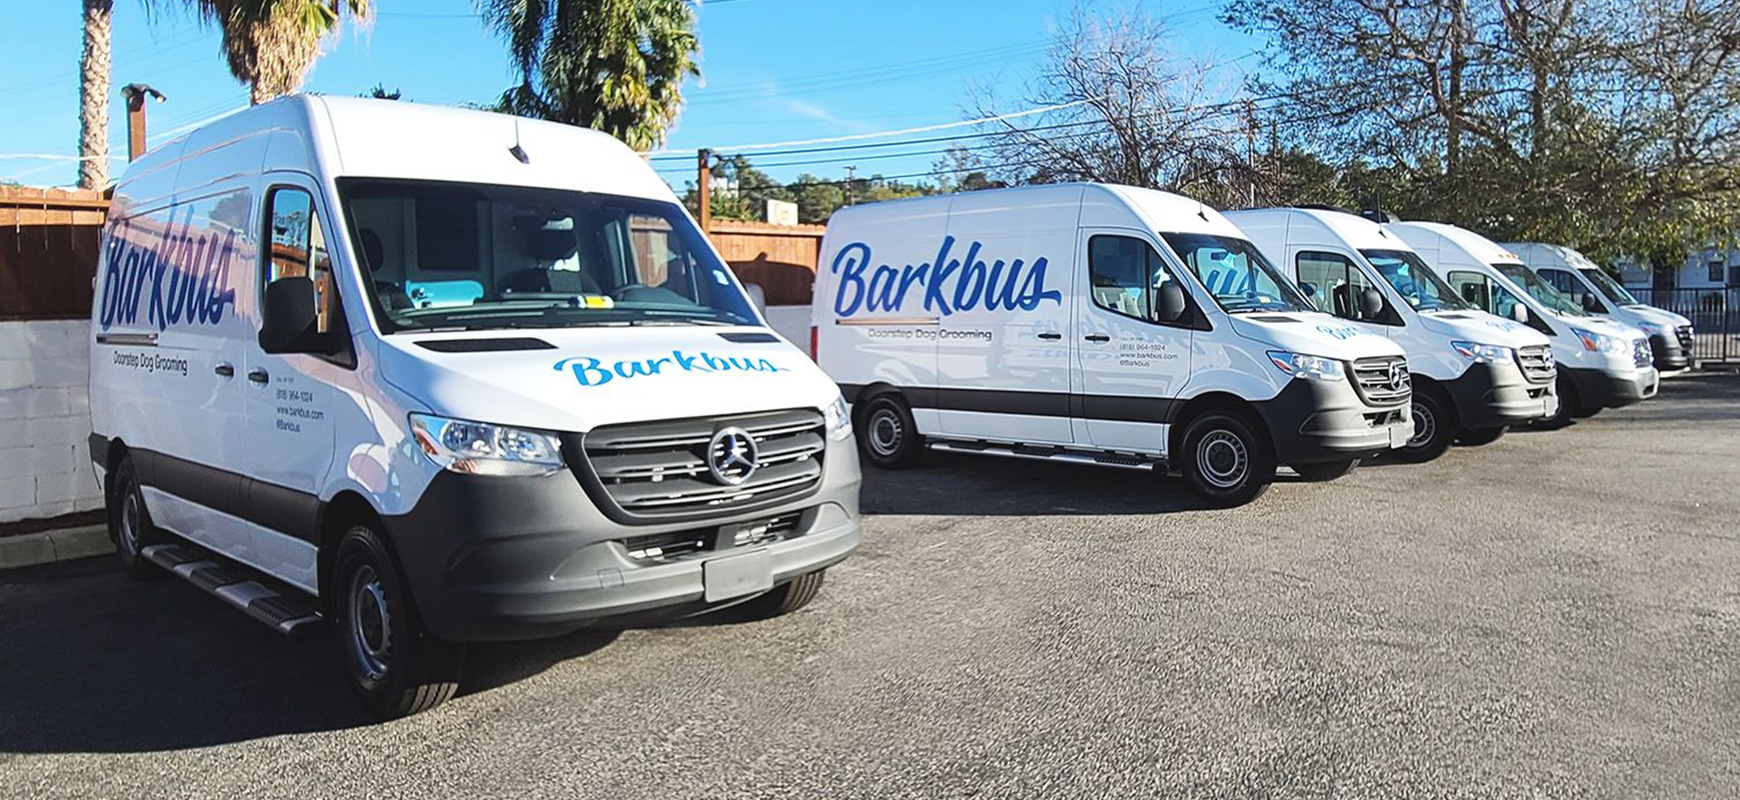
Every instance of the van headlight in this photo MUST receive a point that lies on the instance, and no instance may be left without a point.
(1482, 353)
(838, 419)
(1299, 365)
(1599, 342)
(479, 448)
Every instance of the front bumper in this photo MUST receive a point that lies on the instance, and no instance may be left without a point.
(1315, 421)
(524, 558)
(1496, 395)
(1669, 355)
(1598, 388)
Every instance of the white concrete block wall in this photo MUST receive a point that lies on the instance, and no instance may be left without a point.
(45, 418)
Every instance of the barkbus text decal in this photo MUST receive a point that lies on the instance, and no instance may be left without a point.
(948, 285)
(178, 279)
(590, 371)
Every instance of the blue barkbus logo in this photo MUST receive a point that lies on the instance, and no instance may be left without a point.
(1341, 331)
(590, 371)
(961, 284)
(179, 279)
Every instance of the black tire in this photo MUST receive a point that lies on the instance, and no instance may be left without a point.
(1475, 437)
(1228, 460)
(130, 525)
(887, 436)
(786, 597)
(1325, 470)
(1434, 428)
(393, 664)
(1569, 407)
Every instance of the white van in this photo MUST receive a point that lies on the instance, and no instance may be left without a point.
(1474, 374)
(1601, 363)
(1097, 324)
(1596, 292)
(436, 376)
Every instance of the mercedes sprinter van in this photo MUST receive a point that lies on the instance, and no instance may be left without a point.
(1596, 292)
(1096, 324)
(433, 376)
(1474, 374)
(1601, 363)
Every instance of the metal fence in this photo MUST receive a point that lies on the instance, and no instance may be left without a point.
(1714, 312)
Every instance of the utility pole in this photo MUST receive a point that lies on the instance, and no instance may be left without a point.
(851, 181)
(135, 94)
(704, 189)
(1251, 149)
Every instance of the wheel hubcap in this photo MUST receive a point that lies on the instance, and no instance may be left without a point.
(130, 521)
(1223, 459)
(370, 627)
(885, 432)
(1425, 426)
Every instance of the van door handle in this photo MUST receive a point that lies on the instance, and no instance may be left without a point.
(1097, 337)
(258, 376)
(1051, 337)
(223, 368)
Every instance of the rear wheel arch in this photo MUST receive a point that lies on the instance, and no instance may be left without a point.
(871, 392)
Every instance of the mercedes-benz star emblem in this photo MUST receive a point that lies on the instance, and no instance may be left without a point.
(731, 456)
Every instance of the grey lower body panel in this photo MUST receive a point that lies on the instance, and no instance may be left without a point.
(1321, 421)
(1494, 396)
(1601, 389)
(521, 558)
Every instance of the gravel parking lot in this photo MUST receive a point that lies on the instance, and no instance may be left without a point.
(1556, 614)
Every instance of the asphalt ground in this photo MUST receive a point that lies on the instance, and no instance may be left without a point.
(1553, 615)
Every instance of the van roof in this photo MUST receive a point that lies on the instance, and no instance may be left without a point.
(1174, 212)
(1357, 231)
(1478, 247)
(1559, 253)
(332, 137)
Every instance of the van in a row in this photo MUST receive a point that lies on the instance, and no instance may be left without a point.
(1590, 288)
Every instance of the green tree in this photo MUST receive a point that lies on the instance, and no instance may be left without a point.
(270, 44)
(614, 65)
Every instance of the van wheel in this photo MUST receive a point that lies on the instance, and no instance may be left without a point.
(786, 597)
(887, 436)
(1568, 405)
(1434, 429)
(130, 525)
(1325, 470)
(1475, 437)
(390, 660)
(1227, 461)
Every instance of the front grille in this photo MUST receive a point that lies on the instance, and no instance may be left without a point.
(1382, 381)
(1641, 354)
(1536, 362)
(658, 472)
(1686, 336)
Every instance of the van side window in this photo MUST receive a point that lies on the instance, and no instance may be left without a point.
(295, 247)
(1126, 275)
(1567, 284)
(1483, 293)
(1335, 282)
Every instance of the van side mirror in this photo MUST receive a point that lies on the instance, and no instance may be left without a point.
(1519, 312)
(1172, 305)
(289, 319)
(1371, 304)
(1591, 305)
(758, 296)
(1308, 289)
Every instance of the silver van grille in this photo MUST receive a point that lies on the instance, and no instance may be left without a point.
(1641, 354)
(1536, 362)
(1382, 381)
(1686, 336)
(658, 471)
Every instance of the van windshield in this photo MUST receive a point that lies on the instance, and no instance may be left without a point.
(1414, 281)
(1235, 273)
(1615, 293)
(485, 257)
(1540, 290)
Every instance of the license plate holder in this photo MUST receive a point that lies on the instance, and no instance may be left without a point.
(732, 576)
(1398, 436)
(1550, 405)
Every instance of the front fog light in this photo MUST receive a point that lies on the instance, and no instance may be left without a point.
(838, 419)
(479, 448)
(1299, 365)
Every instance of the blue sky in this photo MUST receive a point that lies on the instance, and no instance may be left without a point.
(773, 70)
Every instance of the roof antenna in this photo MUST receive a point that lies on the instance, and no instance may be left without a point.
(517, 151)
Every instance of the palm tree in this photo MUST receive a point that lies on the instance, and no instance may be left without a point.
(270, 44)
(94, 95)
(614, 65)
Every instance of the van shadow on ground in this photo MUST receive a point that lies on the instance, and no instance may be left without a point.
(92, 661)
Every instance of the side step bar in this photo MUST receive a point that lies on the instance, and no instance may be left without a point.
(1048, 453)
(288, 612)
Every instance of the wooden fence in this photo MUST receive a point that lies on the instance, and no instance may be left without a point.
(48, 251)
